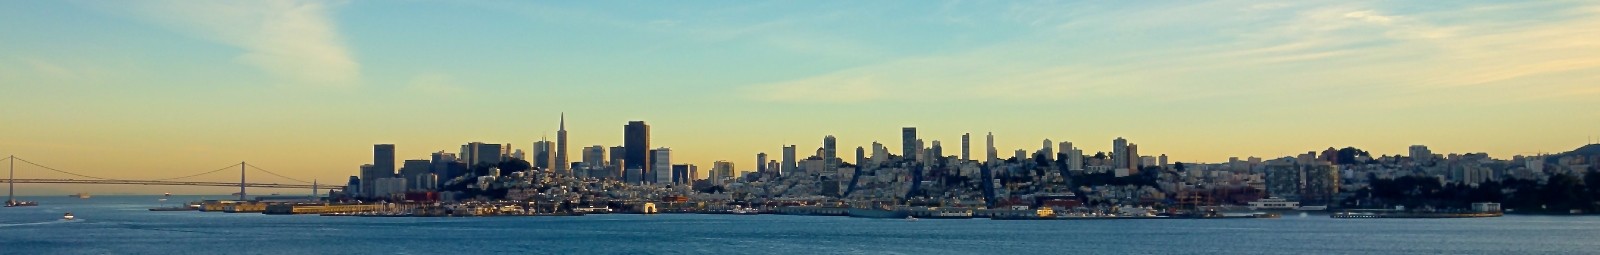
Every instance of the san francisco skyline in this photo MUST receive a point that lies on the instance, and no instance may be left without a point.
(151, 88)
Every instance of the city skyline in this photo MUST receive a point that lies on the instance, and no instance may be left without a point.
(307, 88)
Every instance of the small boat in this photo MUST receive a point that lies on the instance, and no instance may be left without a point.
(911, 218)
(20, 203)
(67, 217)
(80, 195)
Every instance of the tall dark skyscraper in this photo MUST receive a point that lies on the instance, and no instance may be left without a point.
(561, 147)
(383, 159)
(966, 146)
(636, 143)
(908, 142)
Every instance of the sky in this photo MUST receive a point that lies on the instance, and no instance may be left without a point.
(159, 89)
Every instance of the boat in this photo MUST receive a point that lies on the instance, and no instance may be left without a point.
(67, 217)
(745, 211)
(80, 195)
(14, 203)
(909, 218)
(1274, 204)
(593, 210)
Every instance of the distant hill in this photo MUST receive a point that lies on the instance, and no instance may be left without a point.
(1586, 150)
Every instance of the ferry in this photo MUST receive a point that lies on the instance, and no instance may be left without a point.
(1274, 204)
(745, 211)
(593, 210)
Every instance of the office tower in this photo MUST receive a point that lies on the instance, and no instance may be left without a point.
(879, 153)
(861, 157)
(788, 160)
(966, 146)
(1064, 148)
(1047, 151)
(908, 142)
(721, 171)
(936, 152)
(383, 159)
(772, 169)
(1075, 159)
(694, 173)
(594, 156)
(368, 173)
(1133, 158)
(636, 143)
(830, 155)
(918, 151)
(481, 153)
(662, 160)
(413, 170)
(761, 162)
(544, 155)
(1163, 161)
(1119, 153)
(680, 174)
(993, 153)
(561, 147)
(1022, 155)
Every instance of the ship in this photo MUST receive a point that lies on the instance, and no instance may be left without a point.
(14, 203)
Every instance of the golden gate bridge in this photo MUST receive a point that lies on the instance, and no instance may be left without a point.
(243, 168)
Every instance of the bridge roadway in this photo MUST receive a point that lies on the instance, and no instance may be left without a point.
(172, 183)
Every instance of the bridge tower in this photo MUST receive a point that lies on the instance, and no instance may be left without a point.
(11, 184)
(241, 180)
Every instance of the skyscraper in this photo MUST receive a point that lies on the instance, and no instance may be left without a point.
(721, 171)
(761, 163)
(481, 153)
(661, 160)
(993, 153)
(561, 147)
(382, 167)
(830, 154)
(383, 159)
(789, 163)
(966, 146)
(595, 156)
(1048, 151)
(908, 142)
(614, 168)
(636, 142)
(544, 155)
(1119, 153)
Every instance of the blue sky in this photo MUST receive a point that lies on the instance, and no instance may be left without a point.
(309, 85)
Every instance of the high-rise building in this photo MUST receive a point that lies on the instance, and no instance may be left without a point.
(544, 155)
(595, 156)
(761, 163)
(908, 142)
(680, 174)
(414, 171)
(861, 157)
(935, 152)
(636, 142)
(994, 154)
(966, 146)
(1119, 153)
(830, 154)
(369, 173)
(721, 172)
(383, 158)
(481, 153)
(1047, 151)
(1133, 159)
(789, 163)
(561, 147)
(662, 160)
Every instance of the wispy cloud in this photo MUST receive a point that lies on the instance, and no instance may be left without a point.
(1246, 49)
(293, 39)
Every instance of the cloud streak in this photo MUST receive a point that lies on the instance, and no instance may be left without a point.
(295, 40)
(1245, 49)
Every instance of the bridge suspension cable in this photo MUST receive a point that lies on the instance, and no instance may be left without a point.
(199, 174)
(276, 174)
(58, 170)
